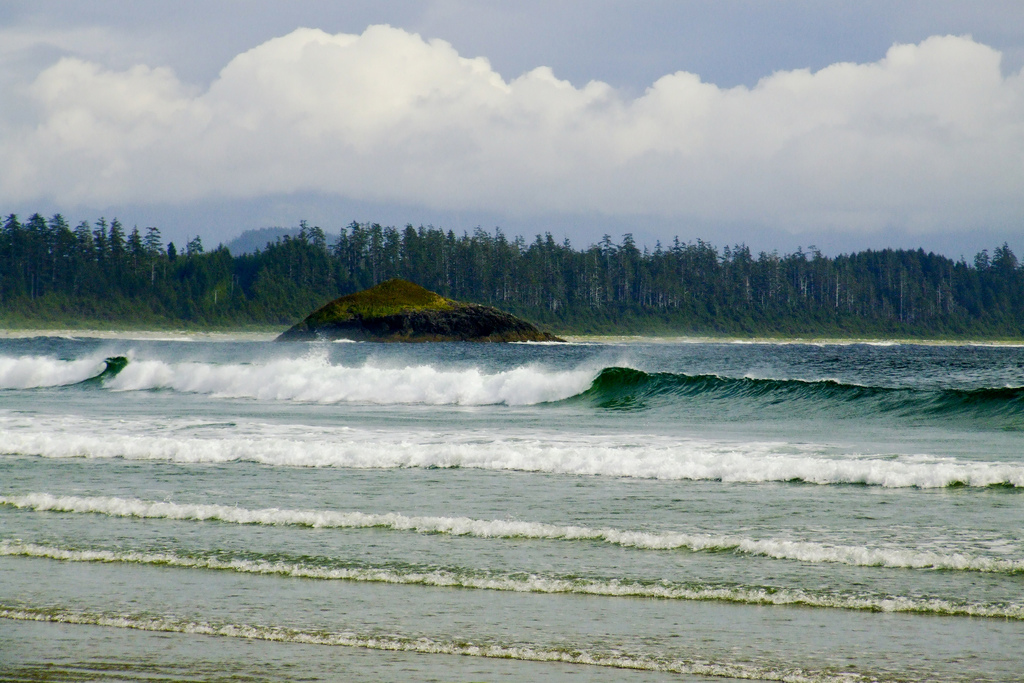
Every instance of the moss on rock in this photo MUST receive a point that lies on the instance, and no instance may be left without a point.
(400, 311)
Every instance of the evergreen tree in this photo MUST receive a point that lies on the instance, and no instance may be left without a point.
(50, 272)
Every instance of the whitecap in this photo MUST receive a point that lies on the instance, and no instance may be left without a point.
(31, 372)
(313, 379)
(776, 548)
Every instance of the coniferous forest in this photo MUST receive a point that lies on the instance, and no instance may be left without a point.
(102, 274)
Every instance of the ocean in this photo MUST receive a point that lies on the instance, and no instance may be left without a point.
(243, 510)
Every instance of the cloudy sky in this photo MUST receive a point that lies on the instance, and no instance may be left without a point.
(840, 124)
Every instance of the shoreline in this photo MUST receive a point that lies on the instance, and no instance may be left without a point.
(141, 335)
(270, 335)
(795, 341)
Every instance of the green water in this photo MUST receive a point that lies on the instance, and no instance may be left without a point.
(635, 512)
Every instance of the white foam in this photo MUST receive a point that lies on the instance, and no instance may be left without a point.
(782, 549)
(31, 372)
(553, 343)
(532, 584)
(141, 335)
(517, 583)
(422, 644)
(634, 456)
(313, 379)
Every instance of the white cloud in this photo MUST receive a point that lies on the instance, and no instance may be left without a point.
(931, 137)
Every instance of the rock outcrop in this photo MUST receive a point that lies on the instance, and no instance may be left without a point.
(400, 311)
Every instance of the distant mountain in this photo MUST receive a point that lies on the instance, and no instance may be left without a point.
(257, 238)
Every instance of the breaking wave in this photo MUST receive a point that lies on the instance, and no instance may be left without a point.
(35, 372)
(620, 387)
(329, 570)
(632, 457)
(425, 645)
(463, 526)
(315, 380)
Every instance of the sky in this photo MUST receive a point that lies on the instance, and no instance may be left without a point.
(844, 125)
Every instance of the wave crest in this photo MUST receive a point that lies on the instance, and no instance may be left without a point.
(633, 457)
(315, 380)
(623, 388)
(36, 372)
(422, 644)
(780, 549)
(327, 570)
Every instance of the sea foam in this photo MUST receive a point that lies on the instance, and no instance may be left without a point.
(313, 379)
(632, 456)
(498, 581)
(31, 372)
(782, 549)
(422, 644)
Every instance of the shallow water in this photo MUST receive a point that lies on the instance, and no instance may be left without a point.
(634, 512)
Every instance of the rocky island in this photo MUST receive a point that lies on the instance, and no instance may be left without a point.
(400, 311)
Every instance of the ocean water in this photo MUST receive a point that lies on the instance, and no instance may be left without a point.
(250, 511)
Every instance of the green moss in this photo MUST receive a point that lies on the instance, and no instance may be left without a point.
(387, 298)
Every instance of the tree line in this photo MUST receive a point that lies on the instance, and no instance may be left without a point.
(100, 272)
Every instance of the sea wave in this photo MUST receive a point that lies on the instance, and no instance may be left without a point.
(622, 387)
(632, 456)
(422, 644)
(34, 372)
(313, 379)
(781, 549)
(329, 570)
